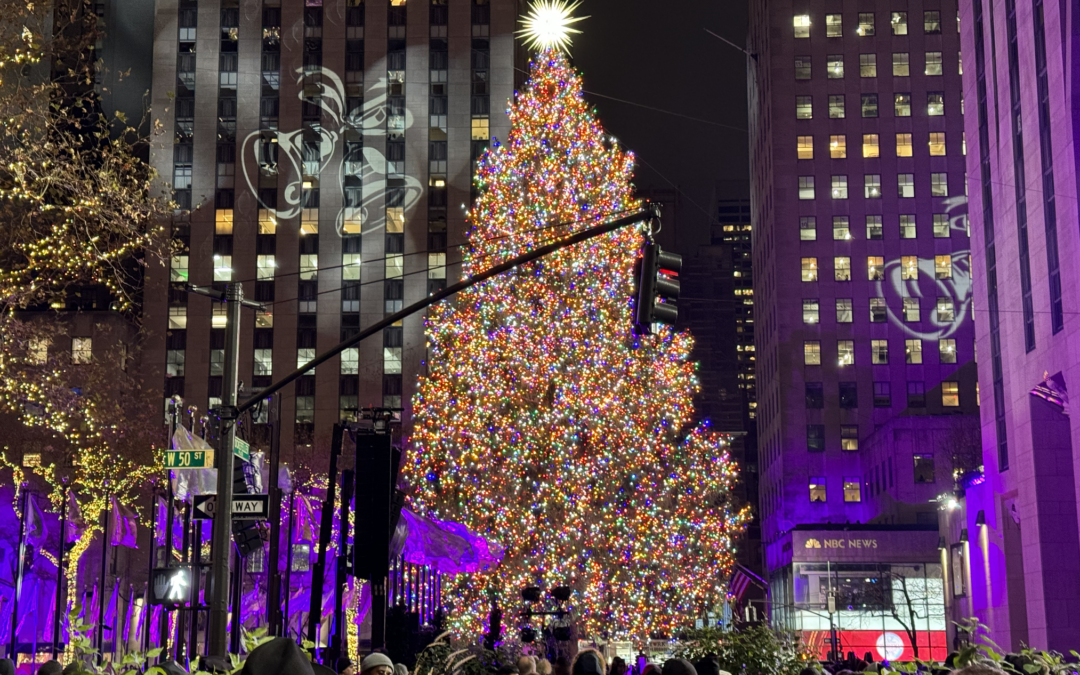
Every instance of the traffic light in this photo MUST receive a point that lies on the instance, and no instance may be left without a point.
(657, 289)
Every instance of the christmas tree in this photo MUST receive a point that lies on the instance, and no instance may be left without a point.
(544, 423)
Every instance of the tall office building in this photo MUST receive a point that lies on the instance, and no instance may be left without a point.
(862, 289)
(1021, 522)
(733, 228)
(322, 153)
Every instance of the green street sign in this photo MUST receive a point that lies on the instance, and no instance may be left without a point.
(189, 459)
(241, 449)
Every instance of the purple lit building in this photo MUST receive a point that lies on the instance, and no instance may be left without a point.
(865, 343)
(1017, 531)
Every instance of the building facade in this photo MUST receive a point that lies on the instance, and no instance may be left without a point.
(322, 153)
(733, 229)
(862, 289)
(1018, 524)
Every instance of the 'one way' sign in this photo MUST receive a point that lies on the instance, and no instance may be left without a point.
(244, 507)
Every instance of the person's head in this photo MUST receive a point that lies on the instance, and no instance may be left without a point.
(650, 669)
(618, 666)
(588, 662)
(507, 670)
(51, 667)
(543, 667)
(377, 664)
(401, 669)
(525, 665)
(280, 655)
(707, 666)
(345, 666)
(809, 670)
(7, 667)
(679, 667)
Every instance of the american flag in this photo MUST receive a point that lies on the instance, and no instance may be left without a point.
(740, 581)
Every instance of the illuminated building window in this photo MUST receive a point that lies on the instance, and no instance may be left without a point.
(943, 266)
(178, 268)
(37, 351)
(804, 108)
(839, 187)
(877, 310)
(436, 265)
(82, 349)
(810, 311)
(870, 147)
(807, 228)
(392, 360)
(304, 356)
(945, 310)
(852, 489)
(264, 267)
(939, 185)
(947, 350)
(868, 65)
(174, 363)
(395, 265)
(844, 312)
(933, 63)
(905, 184)
(902, 104)
(802, 25)
(480, 130)
(802, 67)
(395, 219)
(924, 468)
(805, 147)
(267, 221)
(350, 266)
(809, 269)
(264, 319)
(911, 310)
(218, 316)
(879, 352)
(869, 105)
(841, 230)
(835, 66)
(350, 361)
(937, 143)
(812, 353)
(903, 145)
(806, 187)
(842, 268)
(849, 437)
(875, 268)
(223, 221)
(874, 228)
(217, 362)
(913, 352)
(834, 25)
(866, 24)
(901, 64)
(845, 351)
(907, 227)
(942, 227)
(838, 147)
(305, 409)
(817, 489)
(932, 22)
(836, 106)
(899, 23)
(815, 437)
(935, 104)
(309, 266)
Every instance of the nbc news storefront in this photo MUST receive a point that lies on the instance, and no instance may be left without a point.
(874, 590)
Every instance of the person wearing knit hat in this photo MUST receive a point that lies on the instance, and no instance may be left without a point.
(679, 667)
(281, 656)
(377, 664)
(588, 662)
(401, 669)
(51, 667)
(345, 666)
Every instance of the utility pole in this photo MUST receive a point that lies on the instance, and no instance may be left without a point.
(273, 585)
(221, 544)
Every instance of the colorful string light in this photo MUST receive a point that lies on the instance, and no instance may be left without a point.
(544, 423)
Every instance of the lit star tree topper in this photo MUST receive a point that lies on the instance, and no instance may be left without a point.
(543, 422)
(547, 24)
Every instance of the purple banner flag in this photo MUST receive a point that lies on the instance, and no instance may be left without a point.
(123, 526)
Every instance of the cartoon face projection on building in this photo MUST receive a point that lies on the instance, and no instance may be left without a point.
(373, 184)
(941, 284)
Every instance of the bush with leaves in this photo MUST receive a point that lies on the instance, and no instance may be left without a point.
(442, 657)
(747, 651)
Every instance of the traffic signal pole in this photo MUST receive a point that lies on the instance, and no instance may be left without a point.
(221, 539)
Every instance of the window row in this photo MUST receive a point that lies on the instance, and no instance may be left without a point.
(879, 353)
(933, 65)
(871, 146)
(875, 230)
(869, 105)
(875, 268)
(848, 396)
(866, 24)
(944, 312)
(905, 186)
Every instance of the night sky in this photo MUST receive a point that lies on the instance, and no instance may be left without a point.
(659, 55)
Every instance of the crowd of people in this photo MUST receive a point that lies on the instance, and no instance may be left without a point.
(592, 662)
